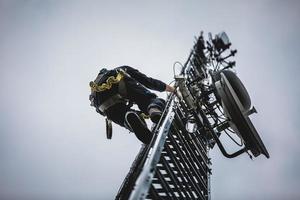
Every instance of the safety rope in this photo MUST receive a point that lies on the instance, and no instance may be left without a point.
(144, 116)
(108, 84)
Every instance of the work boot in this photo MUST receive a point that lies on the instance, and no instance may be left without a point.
(155, 114)
(139, 127)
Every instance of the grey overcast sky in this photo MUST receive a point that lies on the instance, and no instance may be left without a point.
(52, 143)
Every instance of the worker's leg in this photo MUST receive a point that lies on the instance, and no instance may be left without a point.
(117, 113)
(143, 97)
(124, 116)
(155, 109)
(139, 127)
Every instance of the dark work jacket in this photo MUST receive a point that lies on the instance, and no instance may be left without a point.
(135, 75)
(148, 82)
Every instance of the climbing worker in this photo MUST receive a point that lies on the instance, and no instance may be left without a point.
(115, 91)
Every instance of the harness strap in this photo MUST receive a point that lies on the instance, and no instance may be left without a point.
(122, 88)
(117, 98)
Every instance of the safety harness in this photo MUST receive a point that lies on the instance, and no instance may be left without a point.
(120, 97)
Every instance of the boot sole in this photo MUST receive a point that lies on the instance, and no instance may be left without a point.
(139, 129)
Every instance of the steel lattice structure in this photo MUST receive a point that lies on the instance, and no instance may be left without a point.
(182, 169)
(176, 164)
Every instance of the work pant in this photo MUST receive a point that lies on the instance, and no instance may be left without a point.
(138, 94)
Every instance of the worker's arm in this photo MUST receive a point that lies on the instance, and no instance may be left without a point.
(174, 90)
(170, 88)
(148, 82)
